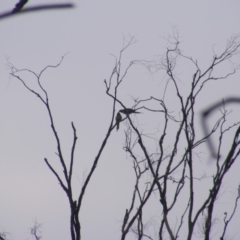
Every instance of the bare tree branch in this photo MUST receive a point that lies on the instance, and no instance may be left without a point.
(36, 8)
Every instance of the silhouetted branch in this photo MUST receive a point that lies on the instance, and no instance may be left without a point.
(36, 9)
(163, 169)
(36, 230)
(206, 113)
(227, 221)
(19, 6)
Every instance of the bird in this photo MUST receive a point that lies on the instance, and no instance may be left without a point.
(128, 111)
(118, 119)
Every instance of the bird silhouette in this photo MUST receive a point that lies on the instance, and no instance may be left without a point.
(128, 111)
(118, 119)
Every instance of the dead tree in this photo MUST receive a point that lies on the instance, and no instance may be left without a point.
(172, 168)
(66, 181)
(168, 172)
(36, 230)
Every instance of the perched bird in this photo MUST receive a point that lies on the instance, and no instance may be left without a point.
(128, 111)
(118, 119)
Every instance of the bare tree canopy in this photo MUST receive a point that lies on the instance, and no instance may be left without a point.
(165, 172)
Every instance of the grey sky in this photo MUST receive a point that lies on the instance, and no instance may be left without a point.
(90, 33)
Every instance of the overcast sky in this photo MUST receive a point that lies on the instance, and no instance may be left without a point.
(90, 33)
